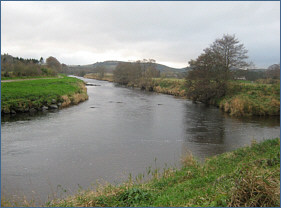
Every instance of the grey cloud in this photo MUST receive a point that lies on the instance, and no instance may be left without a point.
(165, 31)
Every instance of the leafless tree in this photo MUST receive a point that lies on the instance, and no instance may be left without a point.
(54, 64)
(210, 72)
(273, 71)
(101, 71)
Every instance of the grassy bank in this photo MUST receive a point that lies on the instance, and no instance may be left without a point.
(246, 99)
(243, 98)
(170, 86)
(248, 176)
(106, 77)
(25, 95)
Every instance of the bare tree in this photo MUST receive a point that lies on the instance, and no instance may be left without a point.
(228, 53)
(121, 73)
(138, 73)
(64, 68)
(101, 71)
(54, 64)
(273, 71)
(210, 72)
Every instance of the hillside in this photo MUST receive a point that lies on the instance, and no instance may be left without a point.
(110, 66)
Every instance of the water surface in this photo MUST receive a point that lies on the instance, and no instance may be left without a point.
(117, 130)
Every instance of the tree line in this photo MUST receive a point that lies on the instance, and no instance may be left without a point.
(138, 73)
(272, 72)
(20, 67)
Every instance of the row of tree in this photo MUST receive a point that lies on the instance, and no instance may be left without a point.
(19, 67)
(137, 73)
(273, 72)
(7, 58)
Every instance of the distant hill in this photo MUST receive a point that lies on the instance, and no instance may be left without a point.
(110, 66)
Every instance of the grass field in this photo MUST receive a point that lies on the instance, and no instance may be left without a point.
(35, 93)
(246, 177)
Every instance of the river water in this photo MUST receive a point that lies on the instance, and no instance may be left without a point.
(116, 132)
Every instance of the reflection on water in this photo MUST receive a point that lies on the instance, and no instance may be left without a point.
(118, 129)
(21, 116)
(204, 124)
(210, 131)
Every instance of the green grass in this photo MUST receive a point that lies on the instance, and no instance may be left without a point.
(36, 92)
(170, 86)
(248, 176)
(168, 82)
(242, 81)
(27, 77)
(252, 99)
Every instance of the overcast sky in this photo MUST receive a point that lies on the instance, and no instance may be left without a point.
(172, 33)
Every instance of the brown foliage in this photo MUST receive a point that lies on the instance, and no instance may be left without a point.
(256, 191)
(136, 73)
(54, 64)
(273, 71)
(187, 159)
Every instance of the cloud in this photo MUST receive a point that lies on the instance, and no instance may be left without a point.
(172, 32)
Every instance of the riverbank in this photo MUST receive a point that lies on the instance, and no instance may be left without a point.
(247, 99)
(248, 176)
(41, 94)
(107, 77)
(242, 99)
(168, 86)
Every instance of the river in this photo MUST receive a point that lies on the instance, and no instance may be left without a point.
(117, 131)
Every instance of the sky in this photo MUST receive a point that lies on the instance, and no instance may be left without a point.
(172, 33)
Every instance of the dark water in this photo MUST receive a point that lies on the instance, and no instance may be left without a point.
(117, 130)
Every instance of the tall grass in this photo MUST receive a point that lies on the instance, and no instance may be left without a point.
(252, 99)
